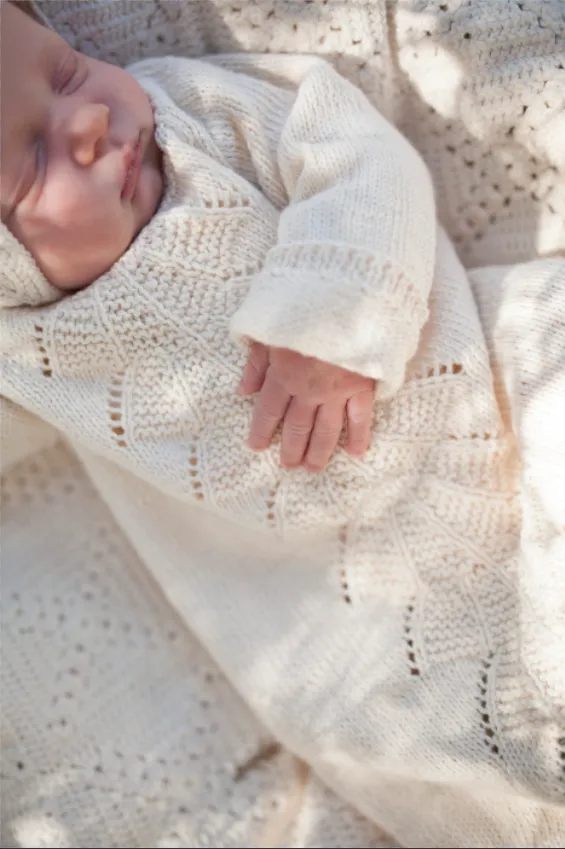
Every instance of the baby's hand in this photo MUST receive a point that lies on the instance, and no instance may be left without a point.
(312, 399)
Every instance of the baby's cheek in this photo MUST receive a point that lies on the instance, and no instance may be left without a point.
(80, 240)
(77, 213)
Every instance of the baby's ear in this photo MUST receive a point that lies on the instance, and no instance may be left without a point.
(21, 282)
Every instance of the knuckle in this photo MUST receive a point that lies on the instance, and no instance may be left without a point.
(358, 417)
(266, 416)
(324, 443)
(298, 429)
(294, 384)
(358, 411)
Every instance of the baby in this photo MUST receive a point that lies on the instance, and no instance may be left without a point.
(391, 619)
(82, 175)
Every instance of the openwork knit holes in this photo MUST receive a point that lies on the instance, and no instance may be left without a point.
(46, 370)
(483, 436)
(561, 755)
(343, 572)
(270, 505)
(227, 201)
(194, 474)
(484, 715)
(441, 370)
(116, 416)
(115, 411)
(409, 638)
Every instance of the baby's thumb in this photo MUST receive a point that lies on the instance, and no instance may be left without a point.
(255, 370)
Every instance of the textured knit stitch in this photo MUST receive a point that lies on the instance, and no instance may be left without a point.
(477, 85)
(117, 728)
(431, 698)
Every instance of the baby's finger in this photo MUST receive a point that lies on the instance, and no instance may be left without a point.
(255, 370)
(325, 436)
(359, 415)
(270, 407)
(297, 427)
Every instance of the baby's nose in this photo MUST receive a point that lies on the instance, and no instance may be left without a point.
(88, 130)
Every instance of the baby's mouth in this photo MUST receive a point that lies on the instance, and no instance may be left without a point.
(132, 166)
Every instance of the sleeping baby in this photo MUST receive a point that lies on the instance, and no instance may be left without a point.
(88, 147)
(170, 228)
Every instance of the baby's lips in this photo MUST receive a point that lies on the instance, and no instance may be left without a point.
(131, 168)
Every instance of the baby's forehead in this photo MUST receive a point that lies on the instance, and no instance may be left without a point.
(26, 44)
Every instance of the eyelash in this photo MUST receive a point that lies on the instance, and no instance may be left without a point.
(67, 75)
(39, 167)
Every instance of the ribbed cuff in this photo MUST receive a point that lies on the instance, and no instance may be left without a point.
(342, 305)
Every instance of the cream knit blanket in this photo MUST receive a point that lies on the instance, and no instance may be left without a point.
(431, 673)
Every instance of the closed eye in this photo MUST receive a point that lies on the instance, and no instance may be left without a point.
(36, 171)
(70, 74)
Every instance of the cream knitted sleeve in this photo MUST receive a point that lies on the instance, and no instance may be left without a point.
(349, 278)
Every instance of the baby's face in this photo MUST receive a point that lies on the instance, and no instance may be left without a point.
(80, 169)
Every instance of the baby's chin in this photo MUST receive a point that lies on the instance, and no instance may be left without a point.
(70, 282)
(89, 264)
(76, 273)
